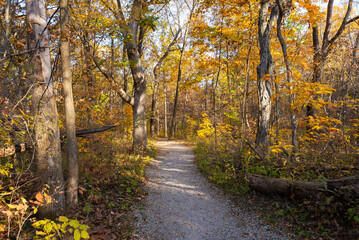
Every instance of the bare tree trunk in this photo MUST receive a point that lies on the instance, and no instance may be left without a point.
(214, 95)
(156, 82)
(265, 72)
(71, 144)
(174, 113)
(133, 35)
(139, 107)
(165, 103)
(276, 112)
(205, 97)
(125, 72)
(184, 109)
(153, 107)
(321, 52)
(47, 134)
(4, 50)
(293, 119)
(246, 87)
(179, 75)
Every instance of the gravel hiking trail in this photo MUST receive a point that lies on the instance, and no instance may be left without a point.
(182, 204)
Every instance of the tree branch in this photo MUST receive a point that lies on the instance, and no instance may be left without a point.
(328, 24)
(125, 97)
(343, 25)
(168, 50)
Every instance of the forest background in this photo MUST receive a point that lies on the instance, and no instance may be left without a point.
(267, 92)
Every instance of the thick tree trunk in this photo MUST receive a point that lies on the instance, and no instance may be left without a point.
(139, 92)
(71, 144)
(47, 134)
(132, 39)
(265, 72)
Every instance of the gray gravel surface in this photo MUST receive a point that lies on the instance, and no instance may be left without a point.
(182, 204)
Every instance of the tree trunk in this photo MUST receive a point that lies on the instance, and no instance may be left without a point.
(321, 52)
(246, 88)
(174, 113)
(71, 144)
(133, 42)
(139, 95)
(153, 107)
(47, 134)
(215, 93)
(4, 50)
(156, 82)
(165, 113)
(293, 119)
(265, 72)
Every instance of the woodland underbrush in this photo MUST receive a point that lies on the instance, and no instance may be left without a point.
(110, 187)
(326, 214)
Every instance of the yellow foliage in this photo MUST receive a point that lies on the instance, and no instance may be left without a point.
(206, 128)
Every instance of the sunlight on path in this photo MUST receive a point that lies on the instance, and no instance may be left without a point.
(181, 204)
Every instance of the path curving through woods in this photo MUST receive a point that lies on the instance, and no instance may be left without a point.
(182, 204)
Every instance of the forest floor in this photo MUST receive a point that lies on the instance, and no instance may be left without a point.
(182, 204)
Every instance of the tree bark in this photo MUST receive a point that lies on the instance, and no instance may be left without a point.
(4, 50)
(165, 113)
(265, 72)
(132, 41)
(215, 95)
(321, 52)
(70, 115)
(293, 119)
(179, 75)
(47, 134)
(299, 189)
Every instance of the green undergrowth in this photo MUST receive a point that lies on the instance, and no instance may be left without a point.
(221, 168)
(112, 183)
(326, 215)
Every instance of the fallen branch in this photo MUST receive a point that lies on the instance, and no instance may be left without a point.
(255, 150)
(11, 150)
(82, 132)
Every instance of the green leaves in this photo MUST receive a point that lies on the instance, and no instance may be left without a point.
(149, 21)
(52, 230)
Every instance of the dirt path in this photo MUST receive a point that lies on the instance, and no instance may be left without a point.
(182, 204)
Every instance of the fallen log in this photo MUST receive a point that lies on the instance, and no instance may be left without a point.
(11, 150)
(301, 189)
